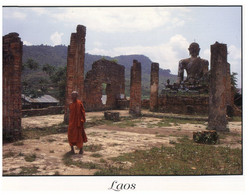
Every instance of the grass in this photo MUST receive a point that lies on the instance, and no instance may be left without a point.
(19, 143)
(93, 147)
(68, 161)
(159, 135)
(25, 171)
(236, 119)
(30, 133)
(30, 157)
(186, 158)
(28, 170)
(51, 140)
(9, 154)
(96, 155)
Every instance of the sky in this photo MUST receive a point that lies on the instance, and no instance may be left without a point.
(161, 33)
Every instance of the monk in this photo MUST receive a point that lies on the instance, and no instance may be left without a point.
(76, 132)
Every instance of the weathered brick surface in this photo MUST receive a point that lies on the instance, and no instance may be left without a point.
(217, 92)
(12, 65)
(135, 88)
(154, 81)
(183, 104)
(75, 67)
(110, 73)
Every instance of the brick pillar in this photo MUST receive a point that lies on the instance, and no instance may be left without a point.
(135, 89)
(154, 81)
(12, 67)
(75, 67)
(218, 81)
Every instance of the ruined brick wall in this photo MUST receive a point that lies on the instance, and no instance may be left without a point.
(183, 104)
(135, 89)
(75, 67)
(12, 66)
(109, 73)
(217, 92)
(154, 81)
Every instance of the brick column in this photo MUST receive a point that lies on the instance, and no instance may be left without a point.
(217, 92)
(135, 89)
(154, 80)
(12, 67)
(75, 67)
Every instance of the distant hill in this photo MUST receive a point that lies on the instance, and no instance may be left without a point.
(57, 56)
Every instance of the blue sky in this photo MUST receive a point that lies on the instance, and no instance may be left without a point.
(161, 33)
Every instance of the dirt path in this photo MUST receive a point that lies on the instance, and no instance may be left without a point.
(113, 141)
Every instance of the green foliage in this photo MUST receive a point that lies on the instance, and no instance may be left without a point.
(234, 79)
(31, 64)
(58, 78)
(48, 69)
(34, 84)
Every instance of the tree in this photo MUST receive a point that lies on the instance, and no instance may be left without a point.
(58, 79)
(47, 68)
(31, 64)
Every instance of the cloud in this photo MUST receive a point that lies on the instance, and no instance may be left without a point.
(234, 52)
(120, 19)
(166, 54)
(14, 14)
(27, 43)
(56, 38)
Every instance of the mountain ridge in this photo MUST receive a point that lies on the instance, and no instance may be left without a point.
(57, 56)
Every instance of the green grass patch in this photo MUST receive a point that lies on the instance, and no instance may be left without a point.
(236, 119)
(28, 170)
(186, 158)
(96, 155)
(67, 160)
(159, 135)
(31, 133)
(93, 147)
(19, 143)
(30, 157)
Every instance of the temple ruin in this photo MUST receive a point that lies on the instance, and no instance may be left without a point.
(104, 85)
(135, 89)
(12, 67)
(75, 67)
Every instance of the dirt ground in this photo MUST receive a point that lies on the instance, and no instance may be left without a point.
(114, 140)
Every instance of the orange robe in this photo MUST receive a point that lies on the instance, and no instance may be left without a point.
(76, 132)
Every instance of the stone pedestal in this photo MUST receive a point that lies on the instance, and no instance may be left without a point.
(154, 81)
(218, 90)
(75, 67)
(12, 67)
(135, 89)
